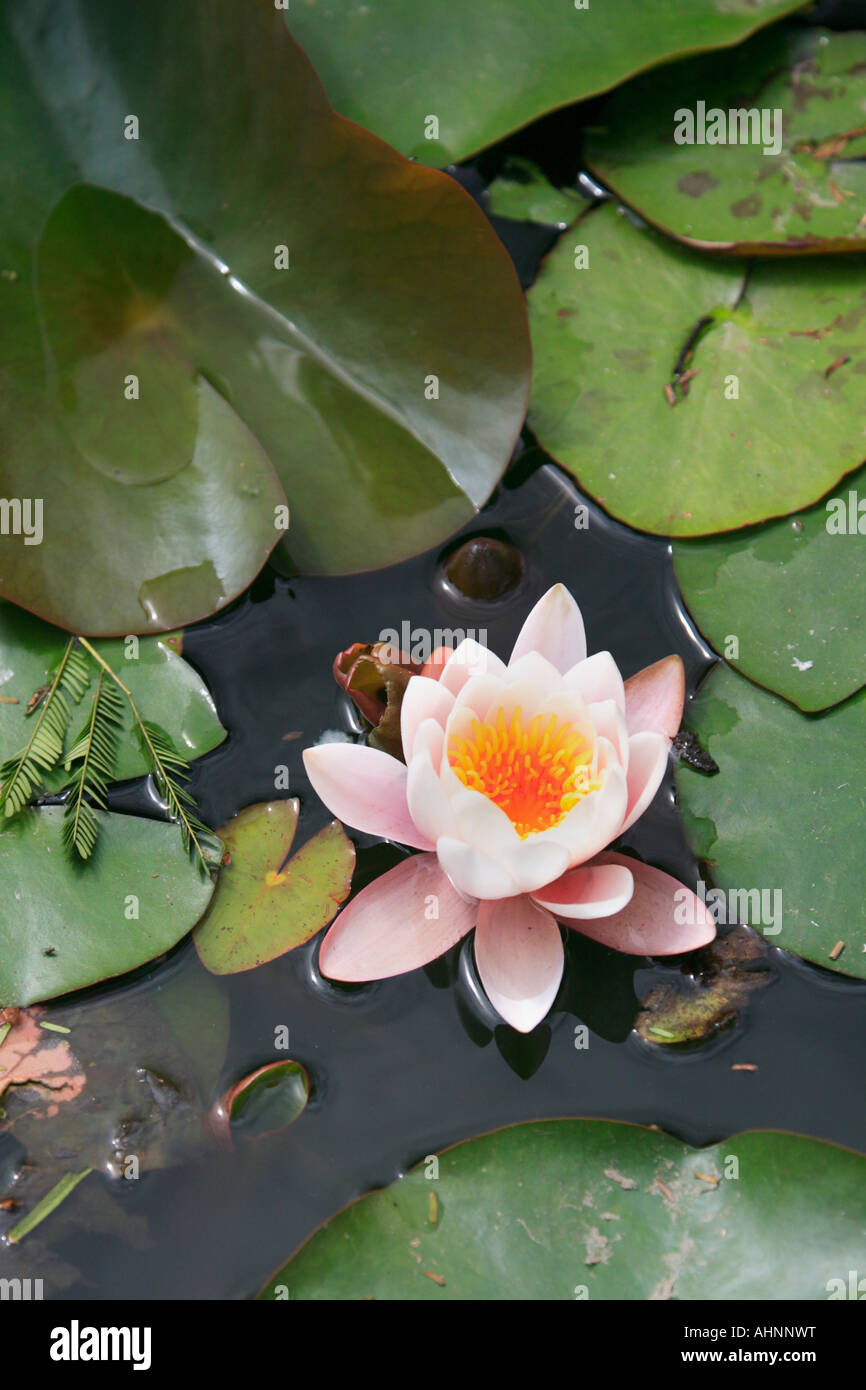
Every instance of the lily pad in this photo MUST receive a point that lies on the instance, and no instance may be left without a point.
(269, 1099)
(791, 595)
(784, 808)
(267, 903)
(343, 315)
(664, 378)
(797, 182)
(135, 898)
(162, 683)
(497, 64)
(522, 193)
(596, 1209)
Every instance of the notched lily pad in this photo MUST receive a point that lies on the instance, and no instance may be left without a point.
(664, 377)
(595, 1209)
(267, 903)
(784, 809)
(790, 179)
(710, 992)
(786, 603)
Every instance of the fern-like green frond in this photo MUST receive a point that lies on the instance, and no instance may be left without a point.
(96, 756)
(23, 776)
(170, 771)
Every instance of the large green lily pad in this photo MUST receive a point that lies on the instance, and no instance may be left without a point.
(493, 66)
(786, 603)
(807, 193)
(782, 820)
(64, 925)
(576, 1209)
(164, 686)
(680, 454)
(288, 294)
(267, 903)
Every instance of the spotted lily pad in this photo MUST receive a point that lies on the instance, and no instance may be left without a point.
(282, 291)
(596, 1209)
(267, 903)
(784, 603)
(163, 685)
(664, 377)
(137, 896)
(497, 64)
(792, 179)
(781, 816)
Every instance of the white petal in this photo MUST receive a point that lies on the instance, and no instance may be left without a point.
(597, 678)
(519, 955)
(428, 804)
(483, 824)
(662, 918)
(609, 722)
(555, 629)
(365, 788)
(536, 862)
(430, 739)
(593, 890)
(469, 659)
(474, 874)
(423, 699)
(536, 670)
(647, 761)
(479, 693)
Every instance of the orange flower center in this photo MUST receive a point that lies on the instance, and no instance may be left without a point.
(535, 772)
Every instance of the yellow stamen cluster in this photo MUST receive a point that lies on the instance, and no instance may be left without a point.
(535, 772)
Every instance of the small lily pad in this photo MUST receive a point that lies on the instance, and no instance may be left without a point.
(522, 193)
(785, 603)
(267, 903)
(790, 177)
(784, 810)
(267, 1100)
(596, 1209)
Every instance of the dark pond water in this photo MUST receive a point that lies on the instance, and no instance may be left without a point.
(401, 1068)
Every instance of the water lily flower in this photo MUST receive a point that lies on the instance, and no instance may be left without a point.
(516, 779)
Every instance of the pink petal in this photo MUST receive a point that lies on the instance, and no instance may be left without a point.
(647, 761)
(609, 722)
(593, 890)
(654, 698)
(519, 955)
(474, 874)
(422, 699)
(436, 665)
(467, 660)
(398, 922)
(663, 917)
(365, 788)
(555, 629)
(428, 804)
(597, 678)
